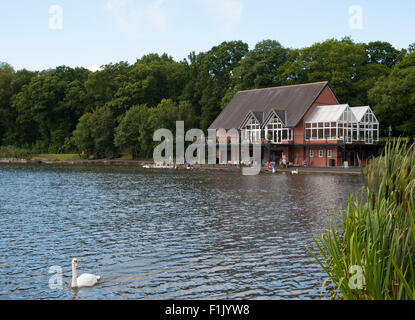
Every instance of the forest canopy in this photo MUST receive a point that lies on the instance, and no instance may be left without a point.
(118, 108)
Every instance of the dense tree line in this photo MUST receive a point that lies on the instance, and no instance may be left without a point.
(118, 108)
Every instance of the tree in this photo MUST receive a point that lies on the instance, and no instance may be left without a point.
(135, 132)
(7, 116)
(393, 98)
(46, 112)
(343, 63)
(94, 134)
(382, 53)
(101, 86)
(83, 135)
(213, 78)
(259, 68)
(165, 115)
(151, 79)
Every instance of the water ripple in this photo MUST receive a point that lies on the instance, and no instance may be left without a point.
(165, 234)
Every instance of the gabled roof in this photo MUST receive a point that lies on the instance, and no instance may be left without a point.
(296, 99)
(330, 113)
(280, 113)
(359, 112)
(258, 115)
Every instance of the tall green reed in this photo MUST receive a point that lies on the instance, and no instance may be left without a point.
(376, 234)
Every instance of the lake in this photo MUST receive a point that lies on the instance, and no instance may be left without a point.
(164, 234)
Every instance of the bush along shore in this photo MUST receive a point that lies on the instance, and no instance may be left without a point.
(14, 153)
(370, 253)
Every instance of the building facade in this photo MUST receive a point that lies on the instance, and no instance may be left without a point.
(301, 125)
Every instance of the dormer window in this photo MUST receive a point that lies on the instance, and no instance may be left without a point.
(251, 131)
(276, 130)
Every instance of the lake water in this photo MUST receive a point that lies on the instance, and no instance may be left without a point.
(164, 234)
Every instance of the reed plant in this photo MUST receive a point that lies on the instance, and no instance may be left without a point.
(376, 234)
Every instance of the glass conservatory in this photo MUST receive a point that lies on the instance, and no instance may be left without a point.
(334, 122)
(368, 124)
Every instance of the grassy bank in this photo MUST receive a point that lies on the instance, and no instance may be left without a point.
(376, 236)
(72, 157)
(56, 157)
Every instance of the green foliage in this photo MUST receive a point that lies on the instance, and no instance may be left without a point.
(393, 98)
(46, 113)
(168, 112)
(135, 132)
(382, 53)
(259, 68)
(94, 134)
(210, 78)
(11, 152)
(351, 68)
(136, 128)
(377, 233)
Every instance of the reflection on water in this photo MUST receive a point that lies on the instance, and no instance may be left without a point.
(164, 234)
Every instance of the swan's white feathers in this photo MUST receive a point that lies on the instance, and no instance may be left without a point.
(87, 280)
(84, 280)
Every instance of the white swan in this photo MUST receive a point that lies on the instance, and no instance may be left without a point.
(294, 171)
(84, 280)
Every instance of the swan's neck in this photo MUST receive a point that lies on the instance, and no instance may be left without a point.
(74, 282)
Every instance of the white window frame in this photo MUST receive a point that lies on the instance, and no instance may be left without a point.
(345, 128)
(320, 153)
(252, 131)
(368, 128)
(311, 153)
(278, 131)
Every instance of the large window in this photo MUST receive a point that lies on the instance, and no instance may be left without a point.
(321, 131)
(332, 123)
(368, 128)
(342, 123)
(252, 131)
(278, 133)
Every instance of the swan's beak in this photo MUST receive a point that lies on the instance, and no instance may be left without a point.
(75, 263)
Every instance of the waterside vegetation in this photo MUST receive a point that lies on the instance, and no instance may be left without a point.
(376, 234)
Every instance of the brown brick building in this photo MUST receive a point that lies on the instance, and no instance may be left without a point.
(301, 124)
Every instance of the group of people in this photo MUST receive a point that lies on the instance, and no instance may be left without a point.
(282, 163)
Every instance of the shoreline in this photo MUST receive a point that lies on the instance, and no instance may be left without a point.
(142, 163)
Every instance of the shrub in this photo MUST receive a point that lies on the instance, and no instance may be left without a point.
(11, 152)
